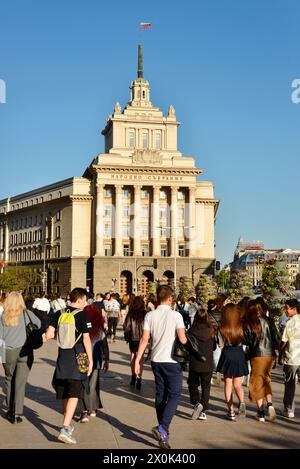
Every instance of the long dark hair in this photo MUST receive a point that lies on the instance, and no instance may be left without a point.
(253, 312)
(137, 310)
(202, 317)
(231, 326)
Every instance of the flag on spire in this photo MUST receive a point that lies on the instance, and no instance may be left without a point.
(145, 25)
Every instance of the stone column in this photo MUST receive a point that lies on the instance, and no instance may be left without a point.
(174, 221)
(99, 220)
(118, 221)
(137, 221)
(155, 222)
(6, 242)
(192, 222)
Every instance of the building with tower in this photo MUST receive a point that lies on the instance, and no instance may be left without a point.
(139, 213)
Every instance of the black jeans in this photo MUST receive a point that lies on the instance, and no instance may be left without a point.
(112, 326)
(194, 380)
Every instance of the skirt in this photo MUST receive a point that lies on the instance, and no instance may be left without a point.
(232, 362)
(260, 377)
(134, 345)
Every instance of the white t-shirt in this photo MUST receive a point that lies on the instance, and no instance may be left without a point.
(58, 304)
(291, 334)
(42, 304)
(162, 324)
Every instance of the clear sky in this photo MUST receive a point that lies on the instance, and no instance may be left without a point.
(226, 65)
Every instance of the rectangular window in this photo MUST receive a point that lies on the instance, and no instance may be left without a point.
(125, 230)
(126, 250)
(158, 140)
(180, 232)
(144, 231)
(25, 238)
(57, 232)
(144, 194)
(107, 192)
(16, 239)
(145, 250)
(29, 237)
(163, 212)
(164, 232)
(107, 210)
(145, 139)
(126, 193)
(58, 215)
(181, 195)
(107, 250)
(126, 211)
(107, 230)
(131, 139)
(163, 194)
(164, 251)
(145, 212)
(58, 250)
(181, 251)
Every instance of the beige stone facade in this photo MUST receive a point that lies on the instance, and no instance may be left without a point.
(138, 201)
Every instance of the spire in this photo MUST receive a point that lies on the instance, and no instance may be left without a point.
(140, 61)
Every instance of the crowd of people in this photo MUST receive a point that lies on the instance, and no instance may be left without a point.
(237, 341)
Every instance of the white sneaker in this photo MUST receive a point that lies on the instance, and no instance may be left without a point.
(202, 416)
(66, 437)
(288, 414)
(271, 413)
(197, 411)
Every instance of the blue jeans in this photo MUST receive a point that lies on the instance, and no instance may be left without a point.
(168, 381)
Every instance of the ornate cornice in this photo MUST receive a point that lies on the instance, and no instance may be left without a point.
(154, 170)
(214, 202)
(81, 198)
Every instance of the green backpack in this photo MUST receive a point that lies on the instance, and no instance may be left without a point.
(66, 329)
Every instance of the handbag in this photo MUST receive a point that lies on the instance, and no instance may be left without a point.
(179, 352)
(33, 333)
(82, 362)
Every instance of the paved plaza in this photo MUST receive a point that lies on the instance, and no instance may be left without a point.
(128, 415)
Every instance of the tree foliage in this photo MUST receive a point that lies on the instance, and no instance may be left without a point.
(276, 286)
(16, 278)
(223, 278)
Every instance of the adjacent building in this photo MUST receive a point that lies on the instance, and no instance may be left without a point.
(138, 214)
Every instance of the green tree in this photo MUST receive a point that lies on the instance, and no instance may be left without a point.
(186, 288)
(223, 278)
(240, 285)
(206, 288)
(276, 286)
(17, 278)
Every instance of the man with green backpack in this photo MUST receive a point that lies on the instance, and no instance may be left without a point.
(75, 360)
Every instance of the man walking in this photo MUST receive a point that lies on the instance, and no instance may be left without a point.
(163, 324)
(289, 353)
(69, 380)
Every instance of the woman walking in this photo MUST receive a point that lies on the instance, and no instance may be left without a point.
(262, 340)
(232, 362)
(133, 331)
(19, 356)
(91, 401)
(201, 369)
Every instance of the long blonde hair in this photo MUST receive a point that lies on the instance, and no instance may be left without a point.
(12, 308)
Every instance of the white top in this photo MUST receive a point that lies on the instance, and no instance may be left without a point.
(42, 304)
(162, 324)
(291, 334)
(58, 304)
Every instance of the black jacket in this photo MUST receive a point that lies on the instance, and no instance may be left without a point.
(267, 344)
(201, 335)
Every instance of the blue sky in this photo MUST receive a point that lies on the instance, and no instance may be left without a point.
(226, 65)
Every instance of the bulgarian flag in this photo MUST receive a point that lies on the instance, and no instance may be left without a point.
(145, 25)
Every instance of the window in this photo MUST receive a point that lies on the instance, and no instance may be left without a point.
(36, 201)
(163, 251)
(107, 193)
(41, 200)
(107, 210)
(126, 193)
(25, 238)
(181, 251)
(180, 213)
(158, 141)
(31, 202)
(56, 275)
(180, 232)
(107, 250)
(57, 232)
(163, 194)
(50, 197)
(145, 212)
(145, 139)
(125, 230)
(126, 250)
(16, 239)
(145, 231)
(26, 203)
(59, 193)
(107, 230)
(145, 194)
(58, 215)
(57, 251)
(164, 232)
(144, 94)
(22, 205)
(126, 211)
(20, 238)
(145, 250)
(163, 212)
(131, 139)
(29, 236)
(180, 195)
